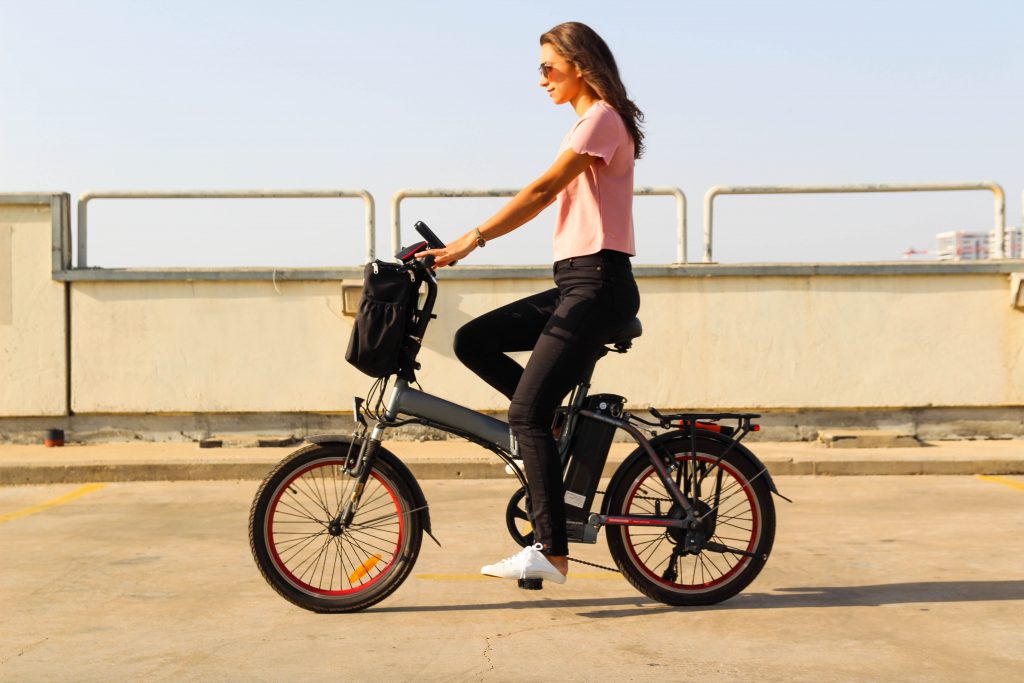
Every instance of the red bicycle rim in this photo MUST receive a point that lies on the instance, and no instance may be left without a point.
(755, 530)
(344, 562)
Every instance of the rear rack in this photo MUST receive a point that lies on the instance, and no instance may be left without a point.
(691, 423)
(704, 420)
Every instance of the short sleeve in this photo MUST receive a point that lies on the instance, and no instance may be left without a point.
(599, 135)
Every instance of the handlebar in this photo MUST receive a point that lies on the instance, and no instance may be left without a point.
(407, 255)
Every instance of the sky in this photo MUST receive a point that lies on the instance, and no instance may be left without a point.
(214, 95)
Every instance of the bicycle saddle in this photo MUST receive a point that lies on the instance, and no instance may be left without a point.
(623, 339)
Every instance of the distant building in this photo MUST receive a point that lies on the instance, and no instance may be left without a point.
(1013, 247)
(961, 245)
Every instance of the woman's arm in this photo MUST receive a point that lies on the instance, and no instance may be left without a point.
(530, 201)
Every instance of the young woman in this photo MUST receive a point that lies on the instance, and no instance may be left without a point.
(595, 294)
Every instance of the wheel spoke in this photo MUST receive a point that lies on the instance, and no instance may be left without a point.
(305, 490)
(363, 542)
(357, 545)
(376, 495)
(380, 506)
(346, 573)
(298, 509)
(642, 545)
(711, 561)
(376, 520)
(363, 532)
(309, 567)
(290, 542)
(653, 549)
(295, 550)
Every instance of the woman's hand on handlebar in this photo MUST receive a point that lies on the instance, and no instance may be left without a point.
(455, 251)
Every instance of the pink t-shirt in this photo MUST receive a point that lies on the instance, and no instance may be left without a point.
(595, 211)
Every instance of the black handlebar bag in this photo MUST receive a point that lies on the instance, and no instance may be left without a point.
(379, 345)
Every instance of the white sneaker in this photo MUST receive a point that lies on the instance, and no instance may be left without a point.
(528, 563)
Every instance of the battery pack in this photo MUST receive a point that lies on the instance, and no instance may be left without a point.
(588, 453)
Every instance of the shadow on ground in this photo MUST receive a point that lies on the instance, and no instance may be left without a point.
(781, 598)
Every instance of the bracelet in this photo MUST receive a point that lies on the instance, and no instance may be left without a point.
(480, 241)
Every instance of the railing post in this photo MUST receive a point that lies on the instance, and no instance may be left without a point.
(83, 229)
(709, 207)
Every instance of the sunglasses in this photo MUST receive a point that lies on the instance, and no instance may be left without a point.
(545, 67)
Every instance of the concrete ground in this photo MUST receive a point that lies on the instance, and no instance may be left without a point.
(872, 579)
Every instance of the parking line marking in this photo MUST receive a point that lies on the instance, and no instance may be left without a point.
(1002, 480)
(66, 498)
(480, 577)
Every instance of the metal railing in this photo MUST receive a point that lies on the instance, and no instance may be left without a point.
(994, 188)
(84, 199)
(398, 197)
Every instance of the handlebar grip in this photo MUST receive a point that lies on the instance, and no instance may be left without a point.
(427, 261)
(433, 240)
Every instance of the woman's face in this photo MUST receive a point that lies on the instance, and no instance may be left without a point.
(563, 80)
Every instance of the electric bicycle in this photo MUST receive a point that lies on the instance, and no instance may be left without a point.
(688, 516)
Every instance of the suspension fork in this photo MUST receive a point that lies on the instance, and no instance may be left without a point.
(363, 467)
(368, 458)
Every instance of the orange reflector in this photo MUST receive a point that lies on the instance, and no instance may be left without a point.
(364, 568)
(711, 427)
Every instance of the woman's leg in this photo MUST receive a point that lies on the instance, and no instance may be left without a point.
(589, 312)
(481, 344)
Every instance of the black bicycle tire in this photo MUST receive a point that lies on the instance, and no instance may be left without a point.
(627, 563)
(405, 557)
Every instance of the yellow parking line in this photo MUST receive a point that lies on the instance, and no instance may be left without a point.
(1002, 480)
(66, 498)
(576, 576)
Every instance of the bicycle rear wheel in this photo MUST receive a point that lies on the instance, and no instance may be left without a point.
(303, 552)
(738, 523)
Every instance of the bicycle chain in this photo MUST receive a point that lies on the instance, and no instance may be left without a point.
(594, 564)
(663, 500)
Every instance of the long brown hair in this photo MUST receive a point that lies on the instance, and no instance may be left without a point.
(581, 45)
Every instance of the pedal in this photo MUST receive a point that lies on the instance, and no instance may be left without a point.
(531, 584)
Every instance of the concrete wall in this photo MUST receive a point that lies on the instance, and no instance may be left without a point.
(159, 347)
(33, 372)
(715, 337)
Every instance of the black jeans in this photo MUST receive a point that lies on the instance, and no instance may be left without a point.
(565, 327)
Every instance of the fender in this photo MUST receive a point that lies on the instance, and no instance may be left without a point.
(702, 435)
(419, 500)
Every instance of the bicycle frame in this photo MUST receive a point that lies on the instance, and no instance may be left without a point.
(495, 435)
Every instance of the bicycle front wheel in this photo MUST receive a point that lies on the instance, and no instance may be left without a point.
(304, 553)
(737, 516)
